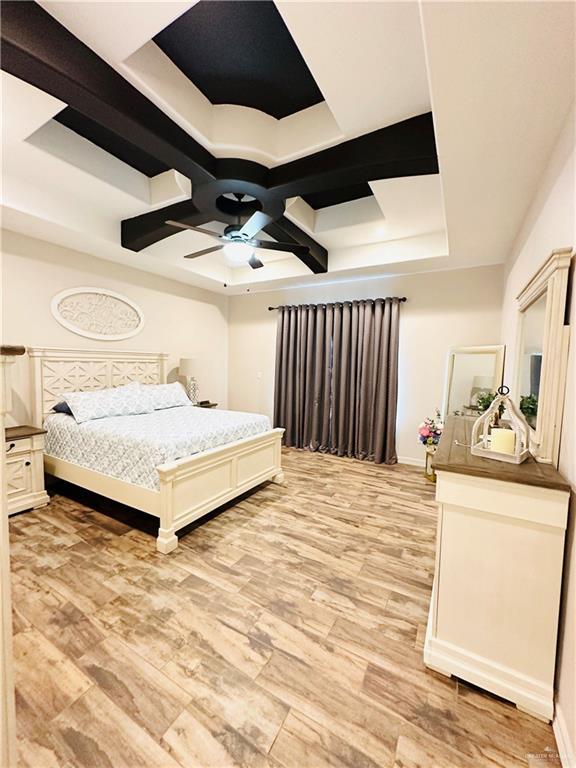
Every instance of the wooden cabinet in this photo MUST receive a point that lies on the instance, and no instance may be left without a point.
(500, 547)
(24, 448)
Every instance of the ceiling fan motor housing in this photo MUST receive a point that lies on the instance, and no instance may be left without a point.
(232, 232)
(238, 196)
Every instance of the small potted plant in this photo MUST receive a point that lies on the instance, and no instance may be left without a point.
(529, 407)
(484, 401)
(429, 434)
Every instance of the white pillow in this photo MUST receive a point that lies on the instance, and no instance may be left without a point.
(100, 403)
(166, 395)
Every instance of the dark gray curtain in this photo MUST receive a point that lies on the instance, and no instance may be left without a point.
(337, 378)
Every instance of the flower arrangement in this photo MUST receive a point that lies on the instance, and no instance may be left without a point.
(430, 431)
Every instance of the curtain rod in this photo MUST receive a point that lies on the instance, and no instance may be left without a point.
(400, 298)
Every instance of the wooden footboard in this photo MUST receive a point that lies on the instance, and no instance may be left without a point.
(193, 486)
(189, 487)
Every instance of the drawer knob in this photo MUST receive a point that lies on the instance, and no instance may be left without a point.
(12, 445)
(27, 463)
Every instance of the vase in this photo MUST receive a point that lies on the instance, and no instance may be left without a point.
(429, 471)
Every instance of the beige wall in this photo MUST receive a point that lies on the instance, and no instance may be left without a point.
(549, 224)
(443, 309)
(179, 319)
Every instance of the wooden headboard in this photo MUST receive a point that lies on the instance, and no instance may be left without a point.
(55, 371)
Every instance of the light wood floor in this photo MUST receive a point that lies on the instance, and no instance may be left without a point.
(285, 632)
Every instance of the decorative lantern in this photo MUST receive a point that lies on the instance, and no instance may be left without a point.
(491, 442)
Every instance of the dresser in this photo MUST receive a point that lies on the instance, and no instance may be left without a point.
(500, 546)
(25, 468)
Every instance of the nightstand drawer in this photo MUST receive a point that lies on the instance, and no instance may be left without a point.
(19, 476)
(22, 445)
(24, 448)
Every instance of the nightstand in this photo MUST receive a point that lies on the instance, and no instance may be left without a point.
(205, 404)
(25, 468)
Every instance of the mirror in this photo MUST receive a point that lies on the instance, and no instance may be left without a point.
(471, 373)
(531, 359)
(542, 354)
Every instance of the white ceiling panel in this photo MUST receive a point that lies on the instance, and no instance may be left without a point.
(502, 82)
(411, 206)
(367, 59)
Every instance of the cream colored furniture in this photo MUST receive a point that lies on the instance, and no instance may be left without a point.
(500, 546)
(542, 329)
(25, 469)
(189, 487)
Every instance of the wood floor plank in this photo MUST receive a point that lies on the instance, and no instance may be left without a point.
(207, 632)
(221, 689)
(83, 588)
(345, 668)
(141, 690)
(285, 632)
(333, 706)
(47, 681)
(415, 750)
(71, 630)
(306, 744)
(198, 739)
(94, 731)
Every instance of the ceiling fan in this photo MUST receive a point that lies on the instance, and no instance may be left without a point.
(239, 240)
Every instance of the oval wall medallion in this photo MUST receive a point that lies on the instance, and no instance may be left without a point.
(97, 313)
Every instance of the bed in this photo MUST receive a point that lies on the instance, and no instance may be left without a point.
(177, 465)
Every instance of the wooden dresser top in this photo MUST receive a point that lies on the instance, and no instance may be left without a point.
(451, 457)
(18, 433)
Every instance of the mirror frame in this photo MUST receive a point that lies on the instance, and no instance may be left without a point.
(497, 349)
(550, 280)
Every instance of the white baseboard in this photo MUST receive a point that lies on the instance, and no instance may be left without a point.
(411, 461)
(529, 694)
(566, 749)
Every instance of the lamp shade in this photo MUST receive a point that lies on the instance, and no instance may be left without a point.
(187, 366)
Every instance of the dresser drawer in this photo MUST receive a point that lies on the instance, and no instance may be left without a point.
(22, 445)
(19, 475)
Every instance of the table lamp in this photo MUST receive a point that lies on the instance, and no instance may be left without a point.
(187, 369)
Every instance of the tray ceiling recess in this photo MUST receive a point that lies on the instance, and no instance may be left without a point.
(241, 53)
(244, 195)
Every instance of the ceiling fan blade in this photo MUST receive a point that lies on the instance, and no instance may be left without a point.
(255, 223)
(271, 245)
(194, 229)
(204, 252)
(255, 262)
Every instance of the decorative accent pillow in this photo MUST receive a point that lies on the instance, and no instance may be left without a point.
(100, 403)
(166, 395)
(62, 407)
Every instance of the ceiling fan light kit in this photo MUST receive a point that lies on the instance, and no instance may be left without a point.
(238, 240)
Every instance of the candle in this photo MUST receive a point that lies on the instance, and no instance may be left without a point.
(502, 440)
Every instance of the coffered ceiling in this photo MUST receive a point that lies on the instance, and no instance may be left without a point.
(364, 131)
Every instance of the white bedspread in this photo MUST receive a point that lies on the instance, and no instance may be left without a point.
(131, 447)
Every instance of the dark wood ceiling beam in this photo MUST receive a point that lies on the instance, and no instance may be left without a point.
(141, 231)
(403, 149)
(39, 50)
(286, 231)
